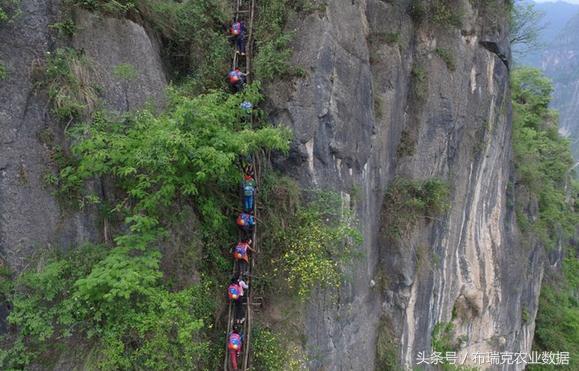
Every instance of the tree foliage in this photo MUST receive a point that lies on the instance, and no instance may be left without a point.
(68, 76)
(408, 201)
(321, 236)
(307, 238)
(9, 9)
(115, 298)
(191, 34)
(158, 159)
(543, 164)
(525, 27)
(543, 159)
(114, 302)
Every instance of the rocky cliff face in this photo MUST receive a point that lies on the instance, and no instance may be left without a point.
(387, 95)
(30, 216)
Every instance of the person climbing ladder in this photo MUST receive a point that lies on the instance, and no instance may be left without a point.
(237, 79)
(241, 255)
(248, 189)
(237, 356)
(234, 345)
(236, 292)
(238, 34)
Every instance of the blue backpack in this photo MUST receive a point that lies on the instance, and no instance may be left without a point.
(240, 251)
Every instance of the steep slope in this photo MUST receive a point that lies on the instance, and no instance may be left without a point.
(408, 90)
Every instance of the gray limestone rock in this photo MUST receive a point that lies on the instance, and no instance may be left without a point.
(361, 101)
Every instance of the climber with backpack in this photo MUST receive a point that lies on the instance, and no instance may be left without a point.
(241, 255)
(235, 292)
(248, 188)
(234, 345)
(237, 33)
(246, 222)
(236, 79)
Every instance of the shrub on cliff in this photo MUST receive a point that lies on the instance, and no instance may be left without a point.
(543, 164)
(117, 299)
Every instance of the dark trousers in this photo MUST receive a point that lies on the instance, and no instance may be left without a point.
(240, 42)
(242, 265)
(246, 233)
(239, 310)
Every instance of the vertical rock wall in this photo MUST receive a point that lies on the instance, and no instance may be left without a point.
(379, 101)
(31, 219)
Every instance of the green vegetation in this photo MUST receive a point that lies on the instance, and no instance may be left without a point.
(542, 159)
(66, 28)
(3, 72)
(446, 13)
(118, 299)
(557, 322)
(188, 152)
(125, 71)
(67, 78)
(386, 347)
(307, 240)
(438, 12)
(448, 58)
(384, 38)
(543, 162)
(419, 83)
(115, 301)
(408, 201)
(273, 59)
(268, 351)
(442, 337)
(315, 249)
(128, 302)
(525, 315)
(525, 27)
(407, 145)
(191, 33)
(111, 7)
(9, 9)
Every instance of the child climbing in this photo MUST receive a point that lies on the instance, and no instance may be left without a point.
(237, 35)
(235, 291)
(241, 255)
(248, 190)
(236, 79)
(234, 344)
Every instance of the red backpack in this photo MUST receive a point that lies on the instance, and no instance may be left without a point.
(234, 291)
(240, 251)
(234, 342)
(236, 29)
(234, 76)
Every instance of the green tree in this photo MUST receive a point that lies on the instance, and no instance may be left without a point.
(543, 165)
(525, 27)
